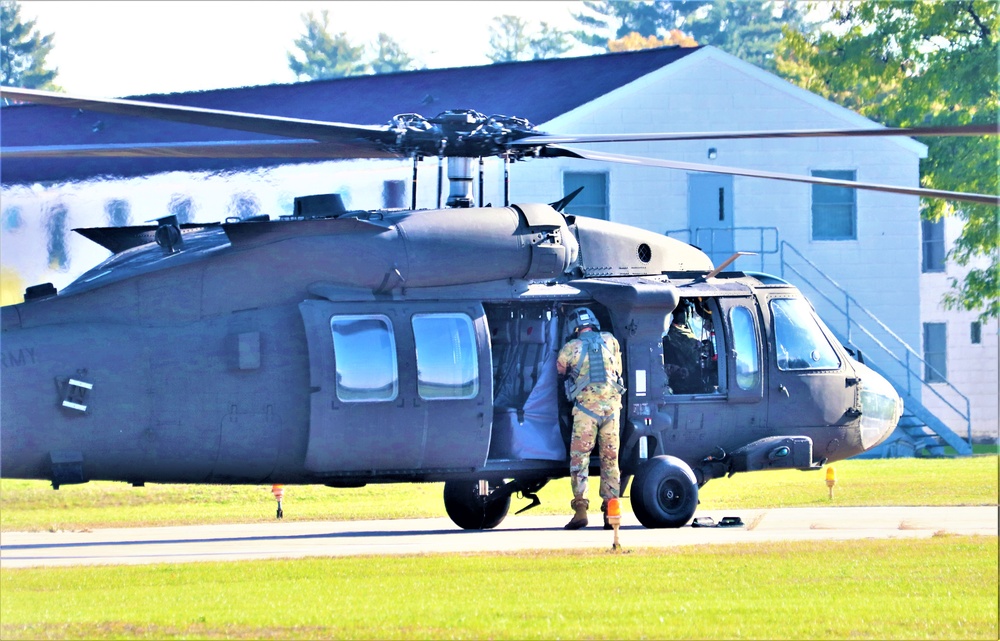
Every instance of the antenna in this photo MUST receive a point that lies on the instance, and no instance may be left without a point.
(715, 272)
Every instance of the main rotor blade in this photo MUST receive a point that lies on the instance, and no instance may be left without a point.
(944, 130)
(292, 149)
(986, 199)
(373, 135)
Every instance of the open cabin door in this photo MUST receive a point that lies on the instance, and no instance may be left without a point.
(397, 386)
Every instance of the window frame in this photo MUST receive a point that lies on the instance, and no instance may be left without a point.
(473, 349)
(935, 358)
(816, 329)
(388, 191)
(575, 207)
(341, 359)
(848, 205)
(737, 344)
(933, 255)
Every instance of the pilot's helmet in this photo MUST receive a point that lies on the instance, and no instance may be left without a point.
(582, 317)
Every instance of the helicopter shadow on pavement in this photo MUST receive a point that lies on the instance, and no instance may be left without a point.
(362, 534)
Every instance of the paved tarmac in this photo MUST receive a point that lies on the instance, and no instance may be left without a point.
(294, 539)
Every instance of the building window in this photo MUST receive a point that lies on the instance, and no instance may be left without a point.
(365, 353)
(592, 202)
(119, 212)
(447, 361)
(394, 194)
(976, 333)
(932, 232)
(935, 352)
(834, 209)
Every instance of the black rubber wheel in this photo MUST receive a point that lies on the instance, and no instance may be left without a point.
(469, 510)
(664, 493)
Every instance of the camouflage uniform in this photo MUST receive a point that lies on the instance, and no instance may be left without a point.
(595, 414)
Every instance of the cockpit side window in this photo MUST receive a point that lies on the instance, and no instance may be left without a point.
(745, 348)
(365, 352)
(799, 342)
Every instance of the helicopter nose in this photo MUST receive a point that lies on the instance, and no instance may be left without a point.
(881, 407)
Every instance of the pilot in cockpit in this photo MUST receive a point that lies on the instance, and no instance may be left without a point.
(682, 355)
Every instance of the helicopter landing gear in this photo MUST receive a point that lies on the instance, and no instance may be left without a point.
(664, 493)
(473, 505)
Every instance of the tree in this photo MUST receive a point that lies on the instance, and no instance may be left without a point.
(748, 29)
(325, 55)
(389, 56)
(511, 39)
(508, 39)
(549, 43)
(23, 50)
(608, 20)
(922, 63)
(635, 42)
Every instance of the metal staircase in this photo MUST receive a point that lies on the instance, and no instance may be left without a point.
(920, 431)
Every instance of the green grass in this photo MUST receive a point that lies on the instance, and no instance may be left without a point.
(960, 481)
(937, 588)
(942, 587)
(977, 448)
(34, 506)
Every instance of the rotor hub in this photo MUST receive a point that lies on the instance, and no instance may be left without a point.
(460, 133)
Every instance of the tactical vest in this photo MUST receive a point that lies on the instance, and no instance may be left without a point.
(593, 351)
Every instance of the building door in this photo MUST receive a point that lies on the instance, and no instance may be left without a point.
(710, 214)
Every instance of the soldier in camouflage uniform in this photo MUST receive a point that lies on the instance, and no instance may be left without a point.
(592, 363)
(682, 356)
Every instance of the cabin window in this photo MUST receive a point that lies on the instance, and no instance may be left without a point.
(932, 232)
(365, 352)
(935, 352)
(593, 201)
(834, 209)
(745, 348)
(798, 340)
(447, 360)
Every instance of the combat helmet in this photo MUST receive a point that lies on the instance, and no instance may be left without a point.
(582, 317)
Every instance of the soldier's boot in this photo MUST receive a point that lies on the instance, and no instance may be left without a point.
(604, 511)
(580, 517)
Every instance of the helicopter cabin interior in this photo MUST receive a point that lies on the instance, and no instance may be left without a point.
(528, 401)
(673, 375)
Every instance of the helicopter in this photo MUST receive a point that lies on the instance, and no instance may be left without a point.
(347, 347)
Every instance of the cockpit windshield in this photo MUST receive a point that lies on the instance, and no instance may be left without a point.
(799, 341)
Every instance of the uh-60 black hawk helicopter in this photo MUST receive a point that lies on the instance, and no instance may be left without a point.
(351, 347)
